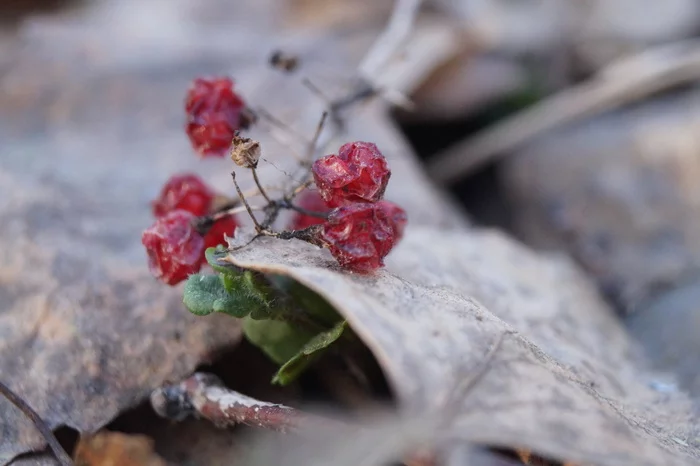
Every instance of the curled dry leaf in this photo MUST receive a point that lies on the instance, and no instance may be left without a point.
(245, 152)
(85, 332)
(624, 200)
(620, 193)
(88, 138)
(565, 381)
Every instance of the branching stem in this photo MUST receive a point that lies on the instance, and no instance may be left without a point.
(63, 458)
(204, 395)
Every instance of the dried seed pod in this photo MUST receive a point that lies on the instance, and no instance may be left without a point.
(245, 152)
(284, 61)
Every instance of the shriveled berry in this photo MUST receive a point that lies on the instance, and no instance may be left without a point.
(185, 192)
(396, 215)
(360, 235)
(312, 201)
(214, 113)
(359, 173)
(225, 226)
(175, 249)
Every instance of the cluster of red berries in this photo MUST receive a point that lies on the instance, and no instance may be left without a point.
(346, 212)
(176, 242)
(214, 113)
(362, 228)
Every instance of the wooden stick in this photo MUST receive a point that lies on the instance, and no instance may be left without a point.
(63, 458)
(619, 84)
(205, 396)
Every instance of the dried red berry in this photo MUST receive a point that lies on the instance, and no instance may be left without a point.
(175, 249)
(312, 201)
(186, 192)
(359, 173)
(360, 235)
(397, 217)
(214, 114)
(225, 226)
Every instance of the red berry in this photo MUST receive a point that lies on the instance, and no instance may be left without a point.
(359, 173)
(214, 114)
(360, 235)
(309, 200)
(225, 226)
(397, 217)
(175, 249)
(186, 192)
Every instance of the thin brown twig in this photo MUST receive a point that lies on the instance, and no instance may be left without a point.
(63, 458)
(301, 210)
(233, 211)
(241, 196)
(288, 137)
(621, 83)
(281, 125)
(302, 187)
(259, 185)
(274, 207)
(362, 92)
(204, 395)
(317, 134)
(315, 89)
(392, 38)
(238, 248)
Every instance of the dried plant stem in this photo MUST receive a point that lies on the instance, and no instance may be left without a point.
(288, 132)
(302, 187)
(301, 210)
(363, 91)
(241, 196)
(311, 151)
(391, 40)
(259, 185)
(279, 124)
(204, 395)
(232, 211)
(63, 458)
(621, 83)
(315, 89)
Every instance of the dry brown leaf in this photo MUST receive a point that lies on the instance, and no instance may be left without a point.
(620, 193)
(116, 449)
(566, 383)
(91, 123)
(86, 330)
(37, 459)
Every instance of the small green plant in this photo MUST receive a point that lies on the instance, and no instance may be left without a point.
(345, 214)
(292, 331)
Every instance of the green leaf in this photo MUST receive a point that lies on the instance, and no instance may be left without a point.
(311, 302)
(280, 340)
(230, 294)
(228, 281)
(313, 348)
(214, 256)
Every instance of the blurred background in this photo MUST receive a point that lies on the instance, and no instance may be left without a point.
(573, 126)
